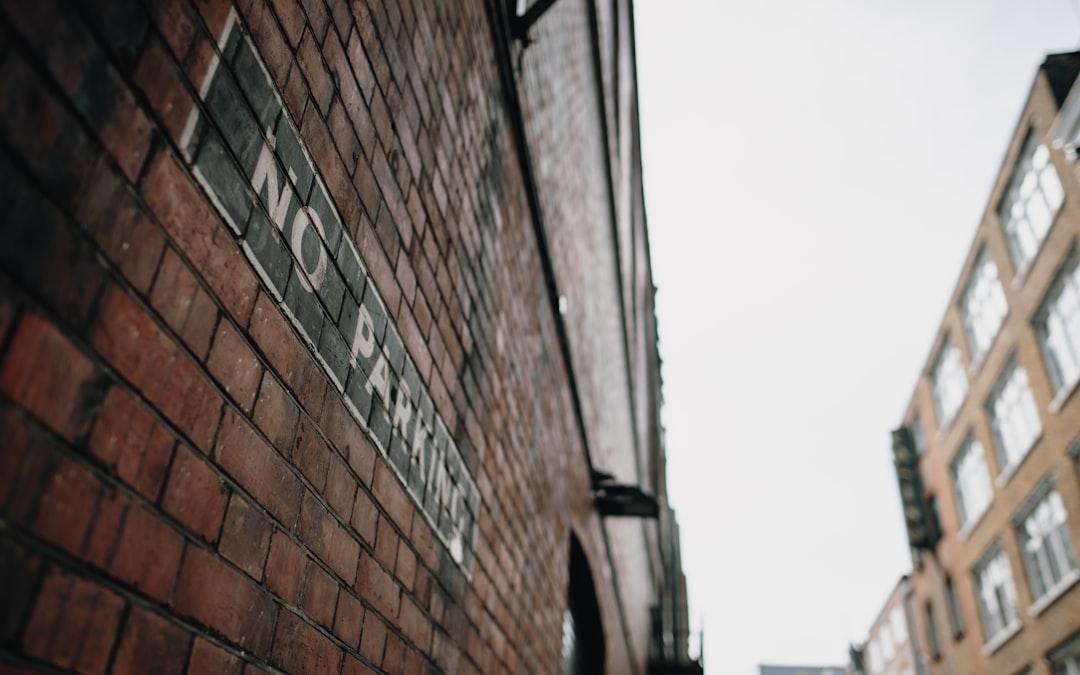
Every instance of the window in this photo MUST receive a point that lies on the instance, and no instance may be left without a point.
(971, 481)
(918, 436)
(874, 652)
(997, 595)
(956, 617)
(1047, 547)
(983, 305)
(1058, 326)
(1065, 658)
(1032, 200)
(1013, 416)
(899, 626)
(932, 633)
(948, 382)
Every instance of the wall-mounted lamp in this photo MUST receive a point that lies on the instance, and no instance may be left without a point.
(615, 499)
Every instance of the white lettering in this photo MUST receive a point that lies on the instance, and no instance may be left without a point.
(277, 203)
(379, 380)
(304, 217)
(363, 342)
(402, 409)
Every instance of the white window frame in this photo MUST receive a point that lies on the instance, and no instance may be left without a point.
(996, 594)
(971, 483)
(1046, 546)
(948, 380)
(1057, 324)
(1031, 202)
(983, 305)
(1014, 418)
(1065, 658)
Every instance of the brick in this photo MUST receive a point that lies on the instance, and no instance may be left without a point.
(392, 497)
(105, 530)
(73, 624)
(106, 208)
(131, 443)
(340, 487)
(386, 544)
(299, 648)
(275, 413)
(405, 569)
(310, 454)
(394, 656)
(344, 553)
(285, 568)
(151, 643)
(320, 595)
(352, 666)
(273, 336)
(177, 21)
(234, 366)
(251, 462)
(373, 638)
(225, 601)
(365, 518)
(16, 444)
(245, 537)
(148, 554)
(195, 494)
(349, 619)
(20, 571)
(266, 34)
(173, 296)
(345, 434)
(291, 16)
(414, 625)
(127, 337)
(50, 377)
(67, 506)
(209, 658)
(377, 587)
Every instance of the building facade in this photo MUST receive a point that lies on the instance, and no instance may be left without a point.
(890, 647)
(327, 342)
(987, 454)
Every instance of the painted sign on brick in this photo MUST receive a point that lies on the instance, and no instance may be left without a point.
(246, 152)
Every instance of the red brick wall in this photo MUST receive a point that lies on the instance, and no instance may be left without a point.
(188, 479)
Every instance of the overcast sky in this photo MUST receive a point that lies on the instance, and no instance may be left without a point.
(814, 175)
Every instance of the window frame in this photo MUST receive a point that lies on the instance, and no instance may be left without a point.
(1045, 591)
(946, 352)
(1024, 167)
(1009, 457)
(964, 491)
(1068, 274)
(1009, 619)
(952, 603)
(975, 322)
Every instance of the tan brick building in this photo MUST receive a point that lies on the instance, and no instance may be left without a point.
(327, 342)
(987, 455)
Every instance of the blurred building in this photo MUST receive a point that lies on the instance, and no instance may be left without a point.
(987, 454)
(800, 670)
(890, 648)
(327, 342)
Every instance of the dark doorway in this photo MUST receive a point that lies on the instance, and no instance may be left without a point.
(583, 634)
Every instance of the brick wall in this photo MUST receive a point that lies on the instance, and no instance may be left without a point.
(281, 386)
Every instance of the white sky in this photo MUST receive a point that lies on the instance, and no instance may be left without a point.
(814, 174)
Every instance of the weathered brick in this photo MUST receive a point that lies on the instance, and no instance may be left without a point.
(234, 366)
(49, 376)
(149, 642)
(128, 440)
(299, 648)
(378, 587)
(208, 658)
(195, 494)
(224, 600)
(285, 568)
(275, 413)
(251, 462)
(373, 638)
(73, 624)
(245, 537)
(348, 619)
(148, 553)
(319, 600)
(67, 506)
